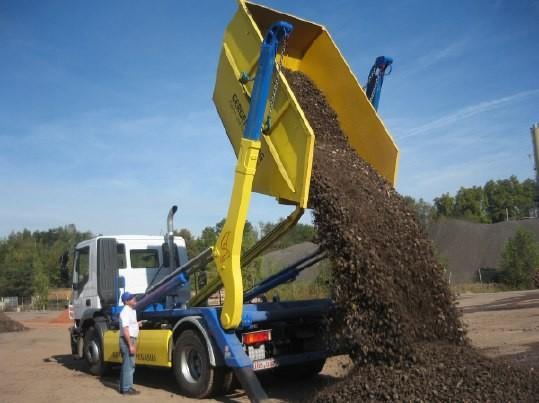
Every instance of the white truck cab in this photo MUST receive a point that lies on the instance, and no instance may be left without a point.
(141, 260)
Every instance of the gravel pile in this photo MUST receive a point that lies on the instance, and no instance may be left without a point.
(396, 312)
(441, 373)
(9, 325)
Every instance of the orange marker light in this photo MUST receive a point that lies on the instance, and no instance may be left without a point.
(256, 337)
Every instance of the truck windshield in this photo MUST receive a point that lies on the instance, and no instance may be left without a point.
(144, 258)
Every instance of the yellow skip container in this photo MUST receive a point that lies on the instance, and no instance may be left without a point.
(285, 160)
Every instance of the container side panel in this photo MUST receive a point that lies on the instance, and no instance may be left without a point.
(285, 159)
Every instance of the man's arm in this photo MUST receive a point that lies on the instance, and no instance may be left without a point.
(127, 337)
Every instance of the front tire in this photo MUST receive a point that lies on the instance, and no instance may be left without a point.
(194, 373)
(93, 352)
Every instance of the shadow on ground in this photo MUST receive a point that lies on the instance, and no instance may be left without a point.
(529, 358)
(506, 304)
(276, 387)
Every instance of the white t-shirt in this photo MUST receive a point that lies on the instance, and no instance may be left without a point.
(128, 318)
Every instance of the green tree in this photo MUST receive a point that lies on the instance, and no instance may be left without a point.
(509, 197)
(469, 204)
(444, 205)
(190, 242)
(297, 234)
(207, 238)
(423, 210)
(520, 259)
(29, 260)
(491, 203)
(40, 283)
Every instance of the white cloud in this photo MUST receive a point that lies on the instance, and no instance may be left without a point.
(425, 62)
(467, 112)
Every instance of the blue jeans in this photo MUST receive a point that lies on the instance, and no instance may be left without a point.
(128, 365)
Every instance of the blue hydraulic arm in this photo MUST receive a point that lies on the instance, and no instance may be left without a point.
(287, 274)
(177, 278)
(382, 66)
(263, 79)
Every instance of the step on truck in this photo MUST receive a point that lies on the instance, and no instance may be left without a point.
(206, 346)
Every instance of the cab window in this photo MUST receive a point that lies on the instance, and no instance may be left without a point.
(144, 258)
(82, 267)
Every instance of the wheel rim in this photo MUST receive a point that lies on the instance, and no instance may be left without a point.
(191, 365)
(92, 353)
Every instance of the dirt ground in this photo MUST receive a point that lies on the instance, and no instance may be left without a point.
(36, 365)
(504, 325)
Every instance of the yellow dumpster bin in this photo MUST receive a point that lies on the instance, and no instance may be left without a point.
(285, 161)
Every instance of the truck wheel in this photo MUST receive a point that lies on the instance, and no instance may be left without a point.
(194, 373)
(301, 371)
(93, 352)
(227, 384)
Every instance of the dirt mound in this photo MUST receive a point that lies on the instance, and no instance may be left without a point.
(9, 325)
(392, 297)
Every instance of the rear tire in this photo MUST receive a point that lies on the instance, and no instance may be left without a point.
(194, 373)
(93, 352)
(301, 371)
(226, 385)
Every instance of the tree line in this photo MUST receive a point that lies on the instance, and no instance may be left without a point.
(497, 200)
(29, 260)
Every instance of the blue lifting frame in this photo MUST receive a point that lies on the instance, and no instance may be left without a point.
(382, 67)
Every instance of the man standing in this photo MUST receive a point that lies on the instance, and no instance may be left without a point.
(129, 328)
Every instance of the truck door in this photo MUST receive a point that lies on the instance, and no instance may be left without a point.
(81, 275)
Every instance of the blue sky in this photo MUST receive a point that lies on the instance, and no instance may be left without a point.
(106, 117)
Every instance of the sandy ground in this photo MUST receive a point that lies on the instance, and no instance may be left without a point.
(36, 365)
(504, 325)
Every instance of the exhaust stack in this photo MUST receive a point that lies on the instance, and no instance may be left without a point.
(170, 238)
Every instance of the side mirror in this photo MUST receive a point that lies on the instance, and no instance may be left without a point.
(121, 282)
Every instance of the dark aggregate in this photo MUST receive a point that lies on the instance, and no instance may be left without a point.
(396, 313)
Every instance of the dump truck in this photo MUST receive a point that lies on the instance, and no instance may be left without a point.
(206, 346)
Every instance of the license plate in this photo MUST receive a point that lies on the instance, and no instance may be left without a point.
(264, 364)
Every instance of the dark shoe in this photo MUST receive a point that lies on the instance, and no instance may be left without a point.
(131, 392)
